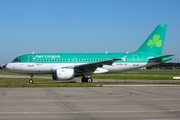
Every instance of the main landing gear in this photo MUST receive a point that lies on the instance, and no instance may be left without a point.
(31, 78)
(89, 80)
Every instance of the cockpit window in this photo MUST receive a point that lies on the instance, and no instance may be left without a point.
(17, 60)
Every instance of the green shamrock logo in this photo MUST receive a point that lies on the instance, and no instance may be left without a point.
(155, 41)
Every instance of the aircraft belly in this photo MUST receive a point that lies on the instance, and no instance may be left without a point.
(123, 67)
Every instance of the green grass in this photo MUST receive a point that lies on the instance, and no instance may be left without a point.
(132, 75)
(141, 75)
(39, 82)
(135, 74)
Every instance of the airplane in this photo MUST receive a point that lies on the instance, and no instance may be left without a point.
(67, 66)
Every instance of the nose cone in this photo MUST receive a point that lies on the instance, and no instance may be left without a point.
(9, 67)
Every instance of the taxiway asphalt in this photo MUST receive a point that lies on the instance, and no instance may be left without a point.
(91, 103)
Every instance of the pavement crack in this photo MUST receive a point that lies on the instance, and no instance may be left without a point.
(68, 106)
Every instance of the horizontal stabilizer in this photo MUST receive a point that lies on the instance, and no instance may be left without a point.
(160, 57)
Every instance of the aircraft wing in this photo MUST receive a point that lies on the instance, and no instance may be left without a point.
(91, 67)
(159, 58)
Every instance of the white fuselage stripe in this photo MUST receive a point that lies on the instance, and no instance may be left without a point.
(51, 67)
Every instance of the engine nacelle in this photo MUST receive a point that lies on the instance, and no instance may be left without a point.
(63, 74)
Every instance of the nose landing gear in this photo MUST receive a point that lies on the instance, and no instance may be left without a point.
(31, 78)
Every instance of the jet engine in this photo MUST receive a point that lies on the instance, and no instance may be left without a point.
(63, 74)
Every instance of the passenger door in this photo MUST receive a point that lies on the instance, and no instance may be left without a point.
(30, 61)
(135, 60)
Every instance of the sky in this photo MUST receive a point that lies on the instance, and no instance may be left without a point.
(79, 26)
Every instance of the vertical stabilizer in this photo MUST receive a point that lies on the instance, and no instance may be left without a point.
(154, 43)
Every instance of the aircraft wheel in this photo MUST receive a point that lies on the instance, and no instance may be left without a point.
(89, 80)
(83, 80)
(31, 81)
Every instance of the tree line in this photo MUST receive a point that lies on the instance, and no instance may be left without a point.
(169, 65)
